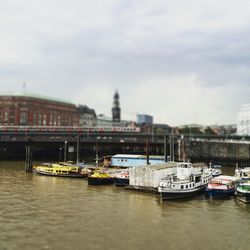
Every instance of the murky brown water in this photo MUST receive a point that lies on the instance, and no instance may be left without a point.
(39, 212)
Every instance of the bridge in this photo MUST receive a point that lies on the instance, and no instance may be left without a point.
(53, 144)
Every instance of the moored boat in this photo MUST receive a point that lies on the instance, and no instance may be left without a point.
(214, 170)
(122, 178)
(61, 170)
(242, 191)
(243, 174)
(100, 178)
(188, 182)
(221, 186)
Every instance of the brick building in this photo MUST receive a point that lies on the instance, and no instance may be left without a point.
(24, 109)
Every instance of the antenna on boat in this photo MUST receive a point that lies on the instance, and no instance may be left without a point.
(96, 153)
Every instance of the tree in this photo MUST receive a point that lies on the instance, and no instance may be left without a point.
(209, 131)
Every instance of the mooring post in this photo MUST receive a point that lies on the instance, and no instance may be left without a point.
(77, 149)
(96, 153)
(147, 154)
(29, 159)
(165, 148)
(65, 150)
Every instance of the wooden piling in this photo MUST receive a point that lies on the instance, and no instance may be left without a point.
(78, 149)
(29, 159)
(147, 153)
(165, 148)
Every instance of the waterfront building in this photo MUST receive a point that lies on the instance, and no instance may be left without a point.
(26, 109)
(104, 121)
(144, 119)
(87, 116)
(243, 120)
(145, 122)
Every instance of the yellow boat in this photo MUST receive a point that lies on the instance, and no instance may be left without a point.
(100, 178)
(61, 170)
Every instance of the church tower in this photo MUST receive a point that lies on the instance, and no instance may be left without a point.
(116, 110)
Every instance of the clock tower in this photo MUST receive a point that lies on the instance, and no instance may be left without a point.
(116, 110)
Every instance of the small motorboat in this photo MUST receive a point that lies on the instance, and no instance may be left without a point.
(243, 174)
(242, 191)
(122, 178)
(221, 186)
(100, 178)
(214, 170)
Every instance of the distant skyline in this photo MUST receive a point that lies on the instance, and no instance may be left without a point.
(182, 62)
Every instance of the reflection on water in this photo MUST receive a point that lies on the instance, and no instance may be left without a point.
(39, 212)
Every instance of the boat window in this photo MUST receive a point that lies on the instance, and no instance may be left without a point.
(186, 186)
(181, 186)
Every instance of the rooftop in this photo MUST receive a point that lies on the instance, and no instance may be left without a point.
(37, 96)
(131, 156)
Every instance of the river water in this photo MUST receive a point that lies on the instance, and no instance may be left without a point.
(39, 212)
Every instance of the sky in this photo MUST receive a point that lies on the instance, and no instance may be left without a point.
(182, 62)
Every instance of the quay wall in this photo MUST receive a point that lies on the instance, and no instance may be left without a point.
(225, 152)
(52, 147)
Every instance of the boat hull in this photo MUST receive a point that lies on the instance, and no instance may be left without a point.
(73, 175)
(100, 181)
(244, 197)
(219, 193)
(181, 194)
(121, 181)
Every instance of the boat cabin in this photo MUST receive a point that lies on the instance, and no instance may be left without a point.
(186, 169)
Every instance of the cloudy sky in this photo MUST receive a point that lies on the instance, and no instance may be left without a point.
(180, 61)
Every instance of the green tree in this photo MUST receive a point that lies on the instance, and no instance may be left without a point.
(209, 131)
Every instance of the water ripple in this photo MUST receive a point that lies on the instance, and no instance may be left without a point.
(39, 212)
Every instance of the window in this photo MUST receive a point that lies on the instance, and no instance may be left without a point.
(50, 119)
(44, 120)
(12, 118)
(6, 118)
(34, 119)
(23, 118)
(39, 119)
(54, 120)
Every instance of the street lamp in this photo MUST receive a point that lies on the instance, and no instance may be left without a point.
(60, 154)
(65, 150)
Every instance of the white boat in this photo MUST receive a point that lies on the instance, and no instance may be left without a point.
(243, 173)
(187, 182)
(214, 170)
(242, 191)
